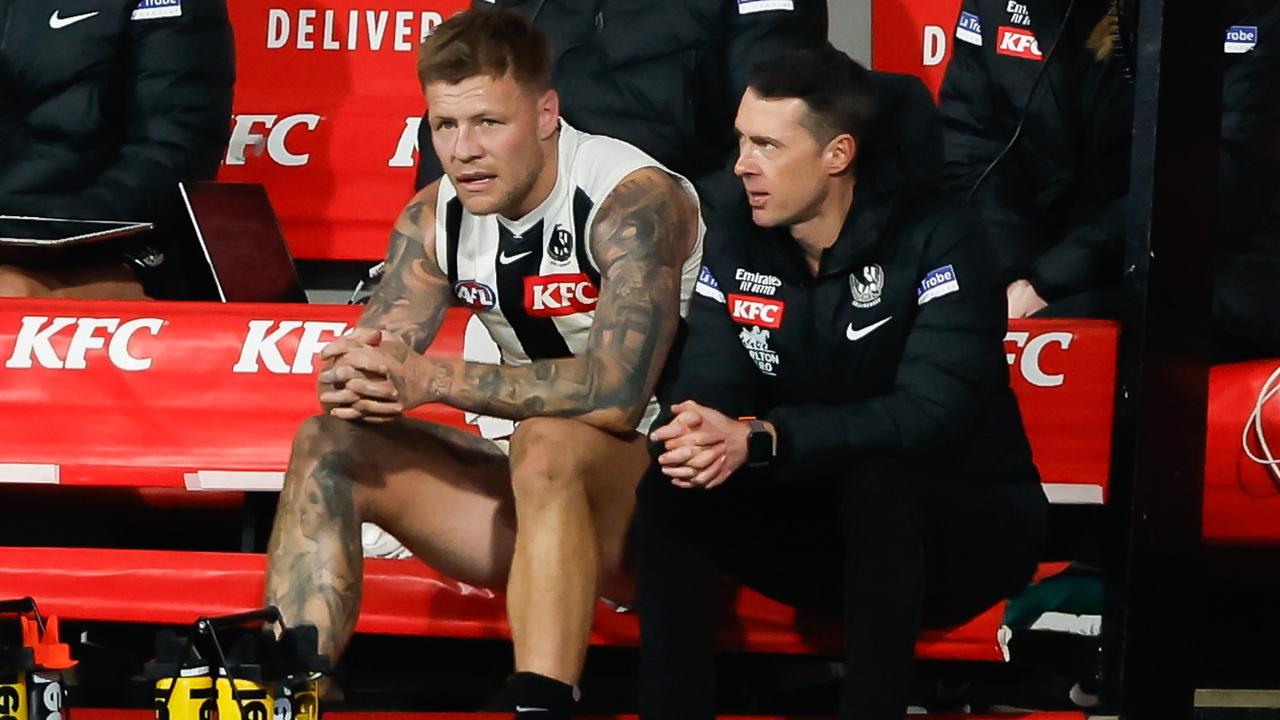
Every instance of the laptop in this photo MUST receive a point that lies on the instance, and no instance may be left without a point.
(41, 239)
(240, 236)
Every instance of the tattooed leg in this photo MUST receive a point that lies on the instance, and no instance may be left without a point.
(444, 493)
(315, 564)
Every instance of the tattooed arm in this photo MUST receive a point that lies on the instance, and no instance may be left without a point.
(410, 301)
(413, 296)
(640, 238)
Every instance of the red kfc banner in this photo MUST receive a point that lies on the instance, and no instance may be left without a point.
(326, 115)
(913, 37)
(210, 395)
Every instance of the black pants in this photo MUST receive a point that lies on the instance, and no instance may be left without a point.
(888, 547)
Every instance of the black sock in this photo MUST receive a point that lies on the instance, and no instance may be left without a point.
(533, 696)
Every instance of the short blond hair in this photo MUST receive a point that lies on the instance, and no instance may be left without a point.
(486, 42)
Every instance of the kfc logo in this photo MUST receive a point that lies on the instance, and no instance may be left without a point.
(269, 132)
(34, 345)
(761, 312)
(1019, 43)
(1032, 348)
(261, 349)
(559, 295)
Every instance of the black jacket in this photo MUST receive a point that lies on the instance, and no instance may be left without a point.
(1055, 205)
(101, 114)
(663, 75)
(895, 348)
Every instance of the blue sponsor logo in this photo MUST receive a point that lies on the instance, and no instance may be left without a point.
(706, 278)
(707, 285)
(969, 29)
(936, 283)
(1241, 39)
(152, 9)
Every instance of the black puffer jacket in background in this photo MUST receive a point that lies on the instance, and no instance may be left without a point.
(663, 75)
(106, 104)
(1055, 206)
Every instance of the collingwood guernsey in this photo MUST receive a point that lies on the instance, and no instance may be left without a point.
(533, 281)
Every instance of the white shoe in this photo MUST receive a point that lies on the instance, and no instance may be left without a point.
(378, 543)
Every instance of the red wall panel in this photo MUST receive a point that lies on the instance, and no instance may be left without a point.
(913, 36)
(325, 115)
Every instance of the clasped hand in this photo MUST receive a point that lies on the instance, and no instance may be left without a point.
(703, 446)
(371, 375)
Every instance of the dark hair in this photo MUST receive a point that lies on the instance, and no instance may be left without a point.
(839, 92)
(490, 42)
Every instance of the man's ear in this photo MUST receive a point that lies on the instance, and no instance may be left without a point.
(839, 154)
(548, 114)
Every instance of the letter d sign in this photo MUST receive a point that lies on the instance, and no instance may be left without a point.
(935, 45)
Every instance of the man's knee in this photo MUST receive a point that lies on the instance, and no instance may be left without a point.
(16, 282)
(325, 451)
(544, 460)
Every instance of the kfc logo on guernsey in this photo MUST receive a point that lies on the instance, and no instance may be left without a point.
(1020, 43)
(352, 31)
(475, 295)
(274, 135)
(261, 349)
(34, 347)
(761, 312)
(969, 29)
(559, 295)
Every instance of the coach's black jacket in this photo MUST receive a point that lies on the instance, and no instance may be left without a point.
(101, 114)
(1055, 205)
(663, 75)
(844, 369)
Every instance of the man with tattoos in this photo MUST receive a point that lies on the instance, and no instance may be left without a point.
(579, 254)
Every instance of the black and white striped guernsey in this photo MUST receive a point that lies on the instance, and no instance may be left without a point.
(533, 281)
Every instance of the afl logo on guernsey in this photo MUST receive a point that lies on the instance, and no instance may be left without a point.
(475, 295)
(560, 249)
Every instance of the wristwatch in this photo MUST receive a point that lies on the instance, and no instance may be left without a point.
(762, 446)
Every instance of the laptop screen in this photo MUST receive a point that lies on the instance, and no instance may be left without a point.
(241, 238)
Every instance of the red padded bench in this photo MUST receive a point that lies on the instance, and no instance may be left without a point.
(401, 597)
(207, 397)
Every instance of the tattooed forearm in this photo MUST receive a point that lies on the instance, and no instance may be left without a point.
(413, 296)
(641, 236)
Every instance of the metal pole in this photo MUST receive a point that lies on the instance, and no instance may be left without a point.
(1158, 444)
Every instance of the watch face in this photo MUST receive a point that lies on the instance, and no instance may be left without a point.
(759, 448)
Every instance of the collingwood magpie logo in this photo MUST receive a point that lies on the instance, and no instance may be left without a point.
(866, 289)
(560, 248)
